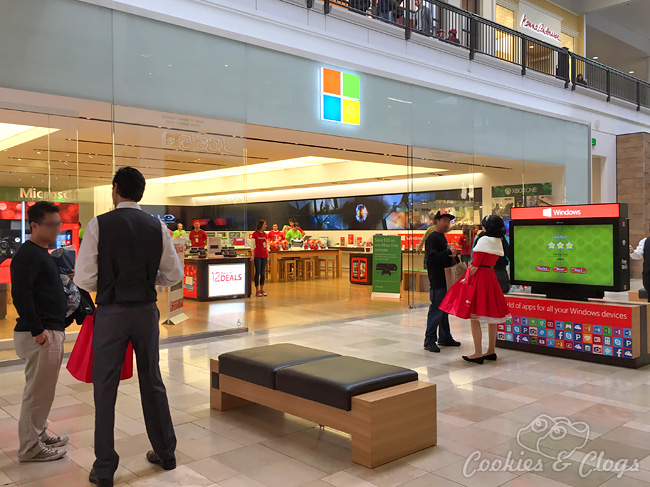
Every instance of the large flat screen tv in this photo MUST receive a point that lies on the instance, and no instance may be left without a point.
(572, 252)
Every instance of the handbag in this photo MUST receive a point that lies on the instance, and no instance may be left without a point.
(80, 363)
(458, 300)
(453, 273)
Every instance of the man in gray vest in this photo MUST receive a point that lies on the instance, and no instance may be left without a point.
(125, 253)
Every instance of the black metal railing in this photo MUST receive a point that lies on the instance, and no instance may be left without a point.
(452, 25)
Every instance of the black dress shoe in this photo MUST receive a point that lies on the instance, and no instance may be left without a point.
(477, 360)
(492, 356)
(432, 347)
(153, 457)
(449, 343)
(92, 478)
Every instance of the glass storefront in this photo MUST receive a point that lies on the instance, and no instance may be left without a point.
(227, 133)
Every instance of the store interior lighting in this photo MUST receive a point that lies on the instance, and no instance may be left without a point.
(12, 134)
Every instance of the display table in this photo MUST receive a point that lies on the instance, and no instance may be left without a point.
(607, 332)
(217, 278)
(275, 256)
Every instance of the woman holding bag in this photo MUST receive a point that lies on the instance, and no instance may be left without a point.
(479, 295)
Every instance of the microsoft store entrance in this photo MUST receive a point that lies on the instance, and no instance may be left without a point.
(226, 176)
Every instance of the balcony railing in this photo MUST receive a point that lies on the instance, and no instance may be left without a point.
(451, 25)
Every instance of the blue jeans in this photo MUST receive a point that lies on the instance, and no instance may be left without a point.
(387, 16)
(436, 319)
(260, 271)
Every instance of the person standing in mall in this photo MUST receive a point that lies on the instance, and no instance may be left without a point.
(260, 256)
(430, 229)
(275, 234)
(642, 251)
(179, 232)
(198, 237)
(295, 233)
(41, 303)
(439, 255)
(125, 254)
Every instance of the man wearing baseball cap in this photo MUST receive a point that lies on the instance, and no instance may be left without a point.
(439, 255)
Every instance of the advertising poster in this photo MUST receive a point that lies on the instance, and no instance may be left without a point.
(175, 295)
(591, 328)
(360, 269)
(386, 266)
(516, 195)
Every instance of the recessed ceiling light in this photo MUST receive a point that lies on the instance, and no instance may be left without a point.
(12, 135)
(595, 57)
(631, 72)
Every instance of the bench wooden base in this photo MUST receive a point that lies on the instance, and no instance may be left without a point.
(385, 425)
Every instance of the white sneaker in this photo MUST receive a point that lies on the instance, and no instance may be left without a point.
(54, 441)
(47, 454)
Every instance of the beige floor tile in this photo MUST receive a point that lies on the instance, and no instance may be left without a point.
(250, 458)
(471, 478)
(533, 480)
(432, 459)
(31, 472)
(72, 425)
(213, 469)
(72, 478)
(180, 476)
(430, 480)
(207, 446)
(240, 481)
(328, 457)
(470, 412)
(70, 412)
(629, 436)
(571, 476)
(288, 473)
(624, 482)
(389, 475)
(344, 479)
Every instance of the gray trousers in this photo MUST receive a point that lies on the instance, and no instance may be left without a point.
(43, 363)
(115, 326)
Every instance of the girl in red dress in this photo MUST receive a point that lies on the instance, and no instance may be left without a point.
(488, 303)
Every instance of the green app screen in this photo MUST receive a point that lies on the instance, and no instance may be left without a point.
(572, 254)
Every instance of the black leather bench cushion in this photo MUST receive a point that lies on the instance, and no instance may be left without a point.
(643, 294)
(259, 364)
(334, 381)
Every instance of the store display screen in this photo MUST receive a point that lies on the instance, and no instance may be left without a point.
(226, 280)
(567, 254)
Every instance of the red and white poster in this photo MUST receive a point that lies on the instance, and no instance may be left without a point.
(177, 291)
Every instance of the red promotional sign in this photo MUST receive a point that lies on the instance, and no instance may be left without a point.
(570, 311)
(551, 213)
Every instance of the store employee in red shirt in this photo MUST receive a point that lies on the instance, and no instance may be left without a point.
(198, 237)
(275, 234)
(260, 255)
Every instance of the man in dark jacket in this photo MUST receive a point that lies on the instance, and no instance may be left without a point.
(439, 256)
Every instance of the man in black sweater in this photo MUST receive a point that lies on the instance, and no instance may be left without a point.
(40, 301)
(438, 256)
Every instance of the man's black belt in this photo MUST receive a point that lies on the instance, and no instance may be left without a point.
(487, 266)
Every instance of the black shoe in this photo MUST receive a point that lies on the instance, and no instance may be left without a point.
(477, 360)
(99, 482)
(432, 348)
(492, 356)
(450, 343)
(156, 460)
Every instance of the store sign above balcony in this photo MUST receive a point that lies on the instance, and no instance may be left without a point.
(539, 23)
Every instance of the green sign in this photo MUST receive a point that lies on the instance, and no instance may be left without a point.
(593, 142)
(518, 190)
(386, 264)
(11, 193)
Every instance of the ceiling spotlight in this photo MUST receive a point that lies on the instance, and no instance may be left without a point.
(595, 57)
(631, 72)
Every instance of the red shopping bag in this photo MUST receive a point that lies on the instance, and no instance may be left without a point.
(80, 363)
(458, 300)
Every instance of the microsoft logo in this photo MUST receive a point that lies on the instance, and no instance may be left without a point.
(340, 97)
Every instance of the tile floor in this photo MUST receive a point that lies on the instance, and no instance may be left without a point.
(484, 420)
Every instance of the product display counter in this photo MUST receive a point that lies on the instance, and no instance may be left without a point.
(607, 332)
(275, 256)
(217, 278)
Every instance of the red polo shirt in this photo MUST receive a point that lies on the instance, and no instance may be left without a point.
(198, 239)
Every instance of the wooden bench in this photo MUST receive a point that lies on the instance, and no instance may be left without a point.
(348, 394)
(415, 280)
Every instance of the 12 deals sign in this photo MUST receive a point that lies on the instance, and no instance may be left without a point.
(226, 280)
(593, 328)
(386, 265)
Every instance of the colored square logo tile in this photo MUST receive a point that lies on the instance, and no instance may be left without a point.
(541, 341)
(533, 322)
(509, 320)
(541, 323)
(618, 352)
(627, 343)
(607, 340)
(517, 337)
(598, 340)
(340, 97)
(577, 327)
(516, 328)
(524, 330)
(509, 337)
(577, 336)
(627, 333)
(550, 324)
(541, 332)
(517, 320)
(607, 330)
(587, 329)
(598, 349)
(598, 330)
(524, 321)
(568, 345)
(525, 339)
(627, 354)
(559, 334)
(508, 327)
(533, 332)
(550, 343)
(617, 342)
(501, 327)
(559, 344)
(568, 335)
(550, 333)
(578, 347)
(608, 351)
(501, 335)
(618, 332)
(568, 326)
(588, 348)
(588, 338)
(559, 325)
